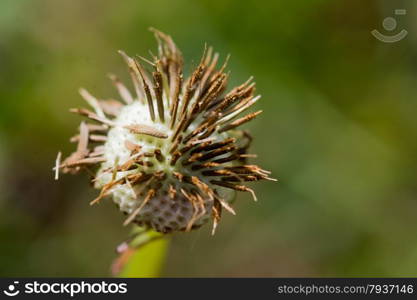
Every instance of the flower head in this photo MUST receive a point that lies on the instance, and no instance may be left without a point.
(170, 154)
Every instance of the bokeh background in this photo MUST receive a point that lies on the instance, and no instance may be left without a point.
(339, 130)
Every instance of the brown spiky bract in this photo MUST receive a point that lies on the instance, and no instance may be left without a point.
(182, 155)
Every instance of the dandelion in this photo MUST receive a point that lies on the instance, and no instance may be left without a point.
(171, 154)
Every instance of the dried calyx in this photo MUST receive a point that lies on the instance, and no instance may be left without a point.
(169, 154)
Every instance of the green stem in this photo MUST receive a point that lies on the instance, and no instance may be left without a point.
(147, 254)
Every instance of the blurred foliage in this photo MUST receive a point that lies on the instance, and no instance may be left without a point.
(339, 130)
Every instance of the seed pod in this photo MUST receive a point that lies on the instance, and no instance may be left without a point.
(170, 154)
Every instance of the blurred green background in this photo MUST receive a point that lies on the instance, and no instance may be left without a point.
(339, 131)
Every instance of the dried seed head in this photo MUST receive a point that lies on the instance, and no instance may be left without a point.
(170, 155)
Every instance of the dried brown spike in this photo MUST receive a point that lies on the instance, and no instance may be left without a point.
(175, 92)
(147, 130)
(236, 187)
(132, 147)
(134, 74)
(178, 175)
(84, 161)
(158, 155)
(225, 205)
(146, 88)
(94, 127)
(172, 192)
(89, 114)
(193, 201)
(158, 92)
(216, 215)
(57, 164)
(91, 137)
(111, 107)
(240, 121)
(121, 88)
